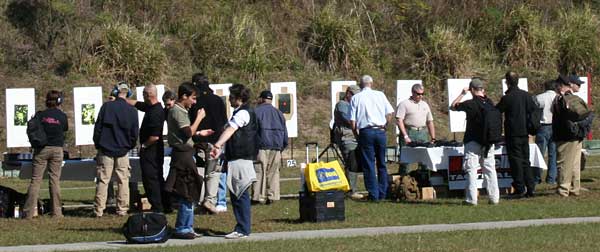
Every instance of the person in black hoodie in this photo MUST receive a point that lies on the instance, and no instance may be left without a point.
(215, 120)
(115, 133)
(515, 105)
(54, 122)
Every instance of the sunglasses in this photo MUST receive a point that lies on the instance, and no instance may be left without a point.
(419, 93)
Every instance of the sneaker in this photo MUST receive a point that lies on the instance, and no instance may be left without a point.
(235, 235)
(356, 196)
(209, 207)
(467, 203)
(221, 209)
(197, 235)
(185, 236)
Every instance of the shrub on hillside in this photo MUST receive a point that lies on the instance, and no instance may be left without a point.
(238, 43)
(125, 53)
(578, 39)
(334, 40)
(444, 53)
(530, 43)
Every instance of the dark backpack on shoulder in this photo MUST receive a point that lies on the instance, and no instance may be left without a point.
(35, 132)
(146, 228)
(492, 123)
(534, 117)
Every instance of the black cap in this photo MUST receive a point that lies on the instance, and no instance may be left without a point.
(266, 95)
(563, 80)
(575, 79)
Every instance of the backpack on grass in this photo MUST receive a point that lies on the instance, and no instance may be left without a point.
(404, 188)
(144, 228)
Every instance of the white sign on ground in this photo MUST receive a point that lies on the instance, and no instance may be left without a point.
(139, 95)
(222, 90)
(338, 91)
(285, 99)
(86, 105)
(458, 119)
(522, 85)
(403, 92)
(20, 107)
(583, 90)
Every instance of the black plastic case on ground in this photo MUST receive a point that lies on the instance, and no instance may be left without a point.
(322, 206)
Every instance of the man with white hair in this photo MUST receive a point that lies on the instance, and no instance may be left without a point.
(152, 148)
(370, 111)
(413, 117)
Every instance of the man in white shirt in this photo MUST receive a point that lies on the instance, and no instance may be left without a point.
(543, 138)
(370, 111)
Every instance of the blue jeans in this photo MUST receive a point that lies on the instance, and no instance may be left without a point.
(222, 193)
(241, 211)
(185, 217)
(372, 144)
(543, 139)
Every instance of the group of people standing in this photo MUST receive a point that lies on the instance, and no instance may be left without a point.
(199, 135)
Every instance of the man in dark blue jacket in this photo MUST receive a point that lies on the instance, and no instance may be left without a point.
(272, 139)
(115, 133)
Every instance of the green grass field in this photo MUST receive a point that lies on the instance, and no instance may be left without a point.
(284, 215)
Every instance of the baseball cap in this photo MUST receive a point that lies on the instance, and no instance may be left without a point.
(354, 89)
(476, 83)
(123, 85)
(266, 94)
(575, 79)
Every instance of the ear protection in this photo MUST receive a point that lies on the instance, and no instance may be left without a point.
(59, 100)
(115, 90)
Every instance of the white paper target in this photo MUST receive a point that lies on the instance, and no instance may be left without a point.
(286, 100)
(86, 106)
(522, 85)
(20, 107)
(458, 119)
(338, 91)
(139, 96)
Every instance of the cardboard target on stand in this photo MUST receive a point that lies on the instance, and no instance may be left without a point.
(458, 119)
(285, 99)
(222, 90)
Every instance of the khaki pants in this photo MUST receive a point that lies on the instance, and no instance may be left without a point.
(104, 170)
(267, 175)
(212, 175)
(568, 162)
(51, 157)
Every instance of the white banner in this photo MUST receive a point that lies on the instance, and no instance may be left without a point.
(458, 119)
(522, 85)
(338, 91)
(222, 90)
(285, 99)
(139, 95)
(20, 107)
(86, 105)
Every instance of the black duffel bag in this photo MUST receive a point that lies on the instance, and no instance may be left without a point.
(146, 228)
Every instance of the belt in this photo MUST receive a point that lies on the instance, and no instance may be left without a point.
(416, 128)
(374, 127)
(546, 124)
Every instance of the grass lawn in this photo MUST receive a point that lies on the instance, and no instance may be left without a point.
(582, 237)
(283, 215)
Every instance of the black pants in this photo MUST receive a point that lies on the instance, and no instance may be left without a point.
(518, 159)
(151, 164)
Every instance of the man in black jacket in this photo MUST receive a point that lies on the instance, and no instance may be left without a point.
(115, 133)
(515, 105)
(215, 120)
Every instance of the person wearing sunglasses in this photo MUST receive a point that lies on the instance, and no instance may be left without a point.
(415, 121)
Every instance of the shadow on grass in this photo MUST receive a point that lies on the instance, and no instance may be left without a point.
(287, 221)
(211, 232)
(88, 229)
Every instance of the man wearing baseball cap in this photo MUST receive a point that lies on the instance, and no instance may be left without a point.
(272, 140)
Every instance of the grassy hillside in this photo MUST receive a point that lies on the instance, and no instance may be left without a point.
(65, 43)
